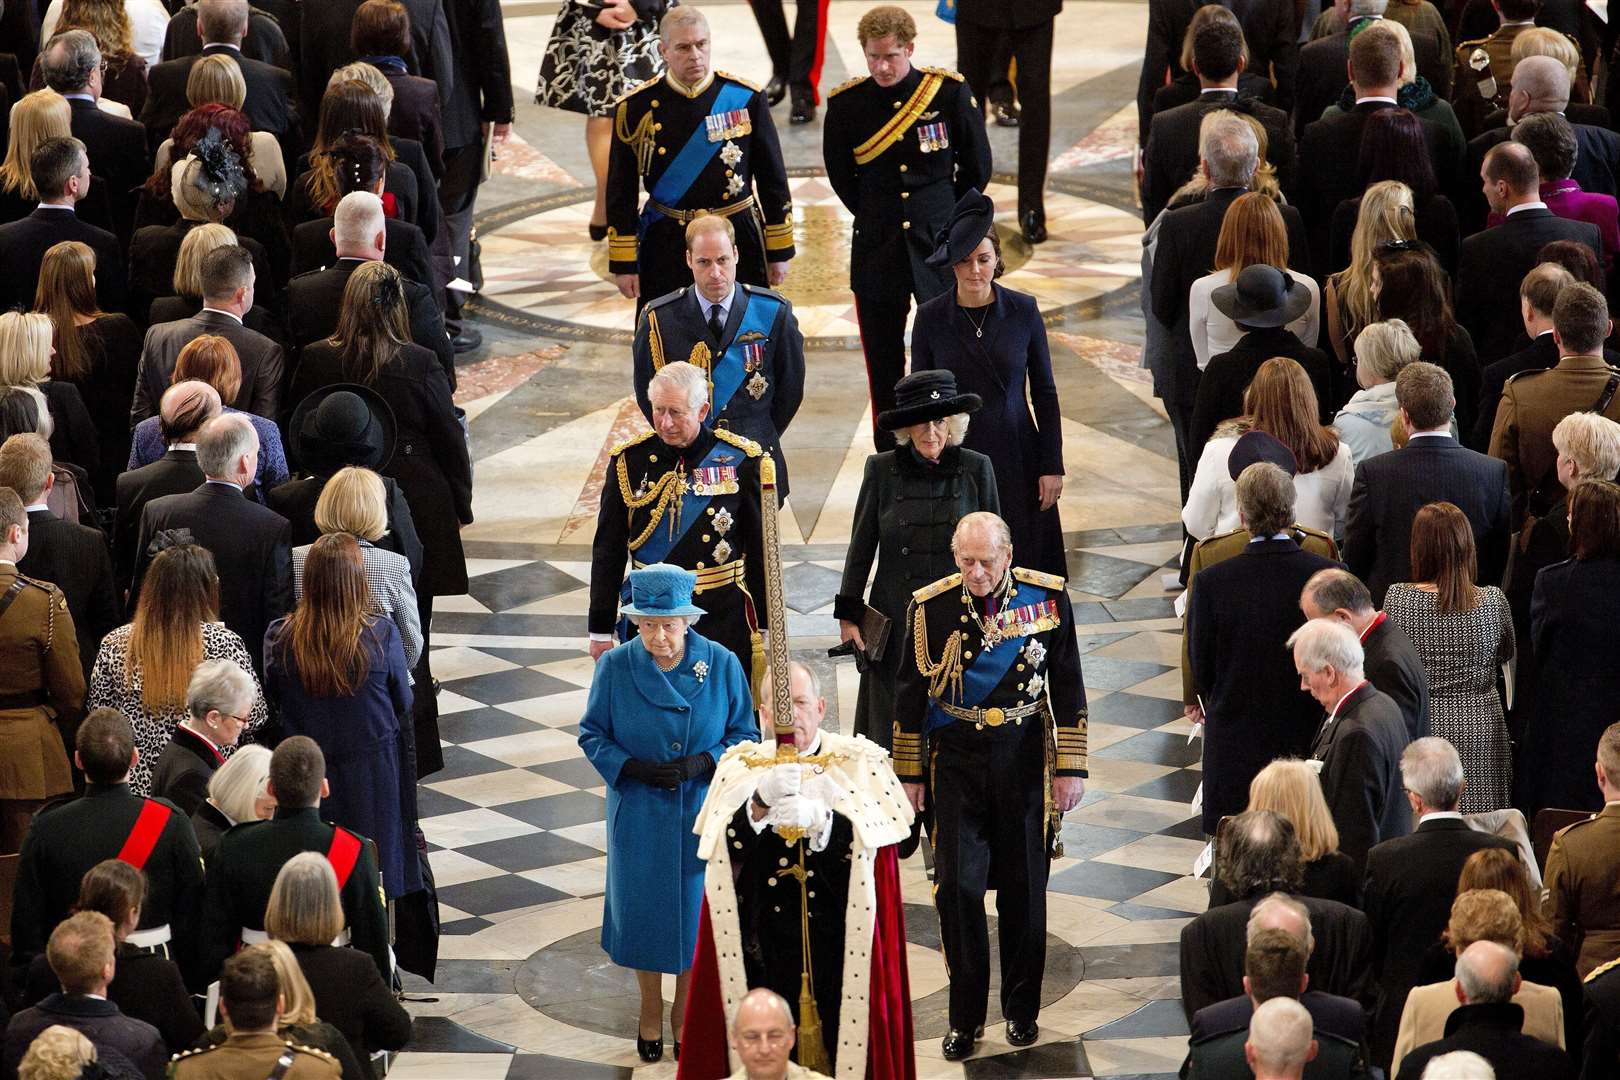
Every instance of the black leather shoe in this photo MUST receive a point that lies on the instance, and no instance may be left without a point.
(1022, 1034)
(1033, 225)
(598, 233)
(466, 341)
(677, 1049)
(776, 89)
(804, 106)
(1006, 114)
(649, 1049)
(958, 1044)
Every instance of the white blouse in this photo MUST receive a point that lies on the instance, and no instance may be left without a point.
(1214, 333)
(1320, 498)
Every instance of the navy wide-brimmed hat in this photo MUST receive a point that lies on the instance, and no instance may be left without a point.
(1255, 447)
(661, 591)
(340, 425)
(926, 395)
(970, 222)
(1262, 296)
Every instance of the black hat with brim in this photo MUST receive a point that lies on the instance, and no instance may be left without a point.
(340, 425)
(1262, 296)
(969, 224)
(926, 395)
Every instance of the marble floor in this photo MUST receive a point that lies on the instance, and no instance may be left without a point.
(515, 819)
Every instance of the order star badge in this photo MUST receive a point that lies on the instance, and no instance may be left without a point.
(723, 522)
(722, 551)
(1036, 685)
(700, 670)
(735, 185)
(731, 153)
(1034, 653)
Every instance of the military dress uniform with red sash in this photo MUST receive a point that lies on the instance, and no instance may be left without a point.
(899, 158)
(705, 149)
(109, 821)
(244, 871)
(696, 507)
(990, 707)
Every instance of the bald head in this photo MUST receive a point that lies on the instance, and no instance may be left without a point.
(185, 407)
(358, 226)
(1487, 973)
(762, 1005)
(1540, 85)
(1282, 912)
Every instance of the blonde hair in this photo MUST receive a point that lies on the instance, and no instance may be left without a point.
(106, 20)
(35, 117)
(1592, 442)
(216, 79)
(25, 348)
(353, 501)
(1544, 41)
(1484, 915)
(297, 999)
(237, 784)
(1383, 348)
(305, 907)
(1409, 72)
(1386, 214)
(709, 223)
(194, 248)
(372, 76)
(1290, 787)
(57, 1053)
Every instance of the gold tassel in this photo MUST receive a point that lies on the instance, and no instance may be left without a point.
(812, 1052)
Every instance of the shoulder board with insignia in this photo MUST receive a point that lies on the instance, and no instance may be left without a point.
(1035, 577)
(1521, 374)
(196, 1050)
(1475, 44)
(628, 443)
(313, 1051)
(760, 290)
(739, 80)
(841, 87)
(741, 442)
(1601, 969)
(38, 584)
(638, 88)
(944, 584)
(667, 298)
(1218, 537)
(947, 72)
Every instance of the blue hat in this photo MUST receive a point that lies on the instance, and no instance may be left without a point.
(661, 591)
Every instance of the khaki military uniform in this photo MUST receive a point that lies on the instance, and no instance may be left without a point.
(1581, 888)
(1499, 48)
(1224, 546)
(254, 1055)
(1533, 402)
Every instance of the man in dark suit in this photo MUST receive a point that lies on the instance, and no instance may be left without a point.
(1322, 63)
(1171, 156)
(404, 248)
(270, 28)
(1411, 880)
(1491, 264)
(1489, 1023)
(184, 408)
(60, 170)
(71, 556)
(1360, 743)
(1258, 858)
(1237, 620)
(249, 542)
(72, 66)
(270, 104)
(1269, 26)
(315, 299)
(228, 280)
(1391, 488)
(1185, 250)
(1391, 662)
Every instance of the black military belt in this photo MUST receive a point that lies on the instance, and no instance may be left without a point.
(30, 700)
(991, 717)
(686, 217)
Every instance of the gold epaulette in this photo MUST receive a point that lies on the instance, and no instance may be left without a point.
(314, 1051)
(741, 442)
(947, 72)
(845, 85)
(1035, 577)
(944, 584)
(754, 86)
(628, 443)
(636, 89)
(1601, 968)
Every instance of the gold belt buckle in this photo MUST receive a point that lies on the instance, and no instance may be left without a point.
(995, 717)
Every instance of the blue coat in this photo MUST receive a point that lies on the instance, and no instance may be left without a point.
(654, 875)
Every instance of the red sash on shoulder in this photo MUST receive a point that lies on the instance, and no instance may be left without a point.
(144, 836)
(343, 854)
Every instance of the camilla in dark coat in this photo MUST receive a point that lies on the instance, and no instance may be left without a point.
(993, 340)
(910, 501)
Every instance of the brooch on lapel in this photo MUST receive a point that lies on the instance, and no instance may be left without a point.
(700, 670)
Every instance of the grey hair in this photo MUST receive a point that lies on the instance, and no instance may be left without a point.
(218, 685)
(1331, 590)
(1432, 769)
(1265, 498)
(1592, 442)
(1280, 1034)
(1383, 349)
(679, 17)
(1328, 643)
(1364, 8)
(1228, 148)
(954, 433)
(760, 993)
(1486, 971)
(688, 378)
(809, 673)
(1459, 1065)
(372, 76)
(1257, 852)
(223, 440)
(79, 59)
(1545, 81)
(241, 780)
(222, 20)
(1258, 913)
(983, 519)
(358, 219)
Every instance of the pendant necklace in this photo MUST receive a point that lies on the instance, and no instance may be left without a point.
(978, 327)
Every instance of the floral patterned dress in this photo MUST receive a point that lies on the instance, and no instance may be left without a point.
(588, 68)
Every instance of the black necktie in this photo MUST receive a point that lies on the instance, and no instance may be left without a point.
(717, 325)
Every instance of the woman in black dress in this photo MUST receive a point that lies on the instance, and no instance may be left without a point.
(992, 339)
(25, 363)
(372, 347)
(96, 351)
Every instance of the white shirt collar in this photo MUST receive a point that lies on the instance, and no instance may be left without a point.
(31, 507)
(223, 483)
(704, 303)
(1428, 435)
(1376, 97)
(69, 207)
(1218, 90)
(1278, 536)
(218, 311)
(80, 95)
(1536, 204)
(1334, 714)
(183, 446)
(1440, 815)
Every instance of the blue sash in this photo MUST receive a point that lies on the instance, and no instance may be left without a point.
(728, 372)
(989, 666)
(677, 180)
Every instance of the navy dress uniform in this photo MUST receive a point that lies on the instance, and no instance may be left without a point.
(990, 708)
(755, 368)
(899, 158)
(109, 822)
(696, 507)
(244, 869)
(705, 149)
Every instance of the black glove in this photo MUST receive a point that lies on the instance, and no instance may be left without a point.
(695, 767)
(666, 775)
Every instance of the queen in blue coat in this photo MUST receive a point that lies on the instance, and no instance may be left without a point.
(663, 708)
